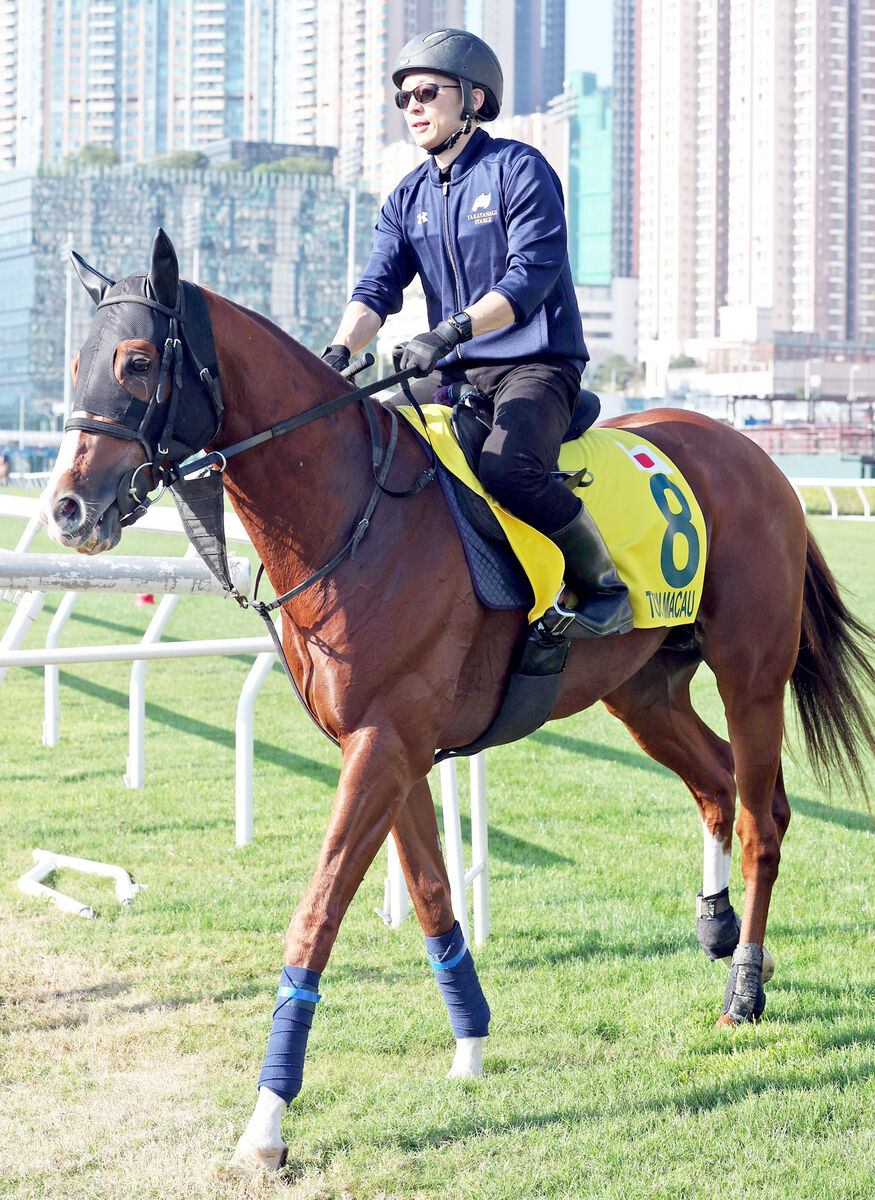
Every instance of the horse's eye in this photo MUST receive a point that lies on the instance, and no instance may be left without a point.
(140, 365)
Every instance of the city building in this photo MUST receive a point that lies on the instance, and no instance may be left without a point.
(140, 78)
(529, 38)
(277, 243)
(333, 75)
(625, 128)
(589, 199)
(609, 313)
(757, 183)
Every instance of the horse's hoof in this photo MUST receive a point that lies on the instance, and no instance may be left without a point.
(724, 1021)
(745, 998)
(468, 1061)
(253, 1159)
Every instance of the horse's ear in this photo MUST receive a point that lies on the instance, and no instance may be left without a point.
(164, 270)
(95, 284)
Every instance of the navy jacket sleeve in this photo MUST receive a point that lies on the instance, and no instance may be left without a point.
(537, 240)
(391, 265)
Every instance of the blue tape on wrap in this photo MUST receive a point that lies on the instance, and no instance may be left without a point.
(283, 1070)
(457, 979)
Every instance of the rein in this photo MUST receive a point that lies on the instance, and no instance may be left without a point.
(200, 499)
(381, 462)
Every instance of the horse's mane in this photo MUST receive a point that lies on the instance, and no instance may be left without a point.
(285, 340)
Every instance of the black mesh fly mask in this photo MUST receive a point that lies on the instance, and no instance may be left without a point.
(168, 430)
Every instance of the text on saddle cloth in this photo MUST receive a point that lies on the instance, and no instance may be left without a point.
(645, 509)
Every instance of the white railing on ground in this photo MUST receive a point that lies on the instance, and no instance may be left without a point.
(133, 652)
(245, 746)
(72, 571)
(118, 573)
(864, 489)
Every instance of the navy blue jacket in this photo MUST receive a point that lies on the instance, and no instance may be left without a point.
(497, 225)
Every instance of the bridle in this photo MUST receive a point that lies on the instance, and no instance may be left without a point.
(156, 435)
(200, 500)
(132, 497)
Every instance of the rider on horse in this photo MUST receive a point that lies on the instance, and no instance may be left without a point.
(483, 225)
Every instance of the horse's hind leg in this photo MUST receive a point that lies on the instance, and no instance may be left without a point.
(419, 849)
(753, 696)
(655, 707)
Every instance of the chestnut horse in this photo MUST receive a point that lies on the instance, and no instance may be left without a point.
(395, 656)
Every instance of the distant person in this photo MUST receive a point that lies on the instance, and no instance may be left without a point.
(4, 470)
(483, 225)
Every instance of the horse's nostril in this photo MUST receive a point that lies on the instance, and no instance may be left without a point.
(68, 512)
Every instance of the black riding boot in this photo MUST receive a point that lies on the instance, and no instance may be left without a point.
(590, 573)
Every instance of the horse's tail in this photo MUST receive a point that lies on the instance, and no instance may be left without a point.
(835, 665)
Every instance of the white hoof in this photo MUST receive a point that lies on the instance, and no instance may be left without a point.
(468, 1062)
(261, 1148)
(253, 1159)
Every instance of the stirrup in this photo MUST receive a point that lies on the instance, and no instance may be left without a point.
(559, 621)
(564, 620)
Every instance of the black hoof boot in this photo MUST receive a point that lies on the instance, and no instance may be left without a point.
(717, 925)
(745, 998)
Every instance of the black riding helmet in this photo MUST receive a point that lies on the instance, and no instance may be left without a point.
(462, 56)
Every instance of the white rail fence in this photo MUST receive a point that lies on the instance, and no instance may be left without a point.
(864, 489)
(33, 575)
(28, 577)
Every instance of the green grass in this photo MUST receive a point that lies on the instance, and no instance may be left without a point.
(131, 1044)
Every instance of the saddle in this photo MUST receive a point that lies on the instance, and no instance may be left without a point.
(471, 422)
(642, 530)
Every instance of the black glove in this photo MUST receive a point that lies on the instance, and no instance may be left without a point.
(421, 353)
(336, 357)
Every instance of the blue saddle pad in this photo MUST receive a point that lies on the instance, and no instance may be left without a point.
(499, 580)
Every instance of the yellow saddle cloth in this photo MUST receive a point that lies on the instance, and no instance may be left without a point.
(643, 506)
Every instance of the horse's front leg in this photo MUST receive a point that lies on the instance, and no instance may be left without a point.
(376, 777)
(419, 849)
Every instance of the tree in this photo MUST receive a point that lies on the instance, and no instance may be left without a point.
(303, 164)
(616, 371)
(94, 156)
(185, 160)
(683, 360)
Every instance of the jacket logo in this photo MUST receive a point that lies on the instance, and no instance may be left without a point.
(422, 218)
(481, 213)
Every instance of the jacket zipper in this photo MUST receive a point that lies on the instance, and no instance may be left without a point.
(446, 188)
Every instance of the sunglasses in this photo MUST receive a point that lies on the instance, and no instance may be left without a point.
(424, 94)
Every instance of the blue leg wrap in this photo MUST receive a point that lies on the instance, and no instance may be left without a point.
(456, 976)
(283, 1069)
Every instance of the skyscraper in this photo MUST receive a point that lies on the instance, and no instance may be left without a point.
(667, 184)
(626, 137)
(833, 244)
(334, 61)
(590, 179)
(757, 178)
(140, 77)
(529, 38)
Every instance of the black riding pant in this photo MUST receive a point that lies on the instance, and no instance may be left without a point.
(532, 407)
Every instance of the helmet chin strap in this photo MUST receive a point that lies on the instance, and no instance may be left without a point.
(448, 143)
(467, 113)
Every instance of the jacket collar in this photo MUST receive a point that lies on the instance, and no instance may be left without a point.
(466, 160)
